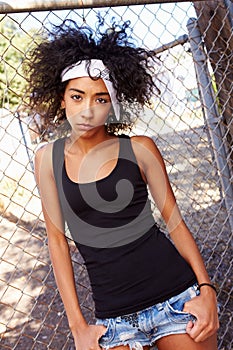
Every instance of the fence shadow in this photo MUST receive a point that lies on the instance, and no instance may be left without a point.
(32, 313)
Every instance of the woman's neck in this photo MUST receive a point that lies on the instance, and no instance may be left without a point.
(88, 140)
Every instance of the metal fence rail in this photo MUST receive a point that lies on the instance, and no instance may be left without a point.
(189, 122)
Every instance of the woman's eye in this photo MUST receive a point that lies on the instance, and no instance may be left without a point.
(76, 97)
(102, 100)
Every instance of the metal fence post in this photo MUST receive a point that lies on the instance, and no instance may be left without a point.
(229, 5)
(211, 113)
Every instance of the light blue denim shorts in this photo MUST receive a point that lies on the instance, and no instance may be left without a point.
(145, 327)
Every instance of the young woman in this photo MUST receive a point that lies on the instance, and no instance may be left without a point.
(147, 290)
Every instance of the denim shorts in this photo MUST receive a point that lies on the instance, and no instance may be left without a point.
(145, 327)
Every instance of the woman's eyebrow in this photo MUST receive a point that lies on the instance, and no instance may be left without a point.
(102, 93)
(83, 92)
(77, 90)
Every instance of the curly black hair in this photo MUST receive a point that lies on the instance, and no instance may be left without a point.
(129, 68)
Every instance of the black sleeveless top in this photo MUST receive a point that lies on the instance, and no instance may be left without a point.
(130, 262)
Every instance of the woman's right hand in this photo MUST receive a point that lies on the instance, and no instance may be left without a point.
(87, 337)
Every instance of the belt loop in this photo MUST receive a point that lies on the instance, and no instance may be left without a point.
(159, 306)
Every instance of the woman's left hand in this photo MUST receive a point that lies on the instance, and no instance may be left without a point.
(204, 308)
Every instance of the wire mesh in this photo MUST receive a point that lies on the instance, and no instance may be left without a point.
(31, 312)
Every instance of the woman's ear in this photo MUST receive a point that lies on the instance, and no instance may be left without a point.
(63, 106)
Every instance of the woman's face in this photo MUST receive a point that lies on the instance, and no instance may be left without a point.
(87, 104)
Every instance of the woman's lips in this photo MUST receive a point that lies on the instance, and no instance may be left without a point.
(85, 127)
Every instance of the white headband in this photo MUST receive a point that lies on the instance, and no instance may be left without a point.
(97, 69)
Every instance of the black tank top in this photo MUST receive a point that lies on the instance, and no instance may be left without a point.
(130, 262)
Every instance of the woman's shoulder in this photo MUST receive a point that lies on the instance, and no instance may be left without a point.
(145, 141)
(145, 148)
(141, 139)
(43, 156)
(44, 149)
(47, 148)
(42, 162)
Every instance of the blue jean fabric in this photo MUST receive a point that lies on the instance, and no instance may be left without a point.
(145, 327)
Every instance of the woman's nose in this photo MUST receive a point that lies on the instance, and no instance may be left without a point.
(87, 110)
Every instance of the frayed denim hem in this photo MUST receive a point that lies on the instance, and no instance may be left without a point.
(132, 346)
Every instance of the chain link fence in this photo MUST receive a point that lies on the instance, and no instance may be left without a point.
(191, 123)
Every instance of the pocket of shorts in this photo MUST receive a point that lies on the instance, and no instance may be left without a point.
(108, 336)
(175, 305)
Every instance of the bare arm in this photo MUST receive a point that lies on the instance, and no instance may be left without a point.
(204, 307)
(60, 253)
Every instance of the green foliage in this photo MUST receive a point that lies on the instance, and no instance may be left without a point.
(14, 44)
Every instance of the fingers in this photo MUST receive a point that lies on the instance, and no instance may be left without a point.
(206, 323)
(101, 330)
(189, 327)
(201, 330)
(89, 339)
